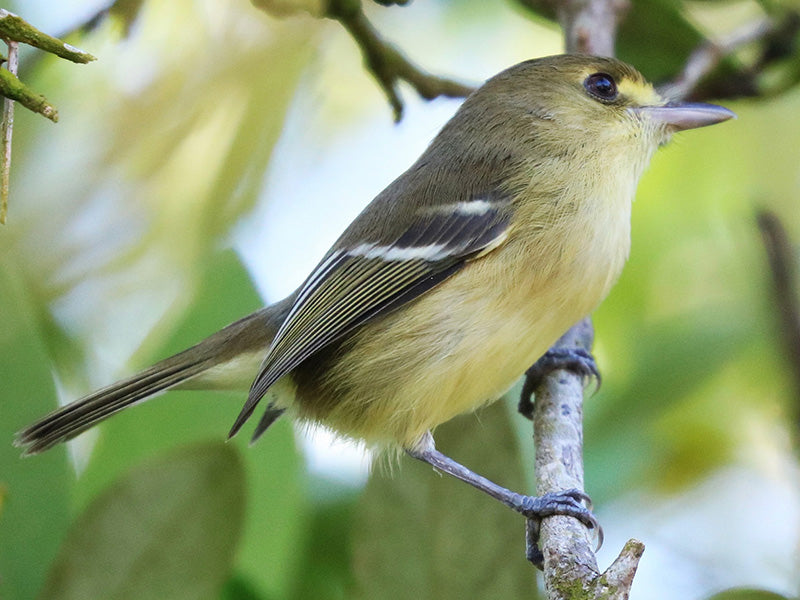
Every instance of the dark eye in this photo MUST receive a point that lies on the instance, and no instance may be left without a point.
(601, 86)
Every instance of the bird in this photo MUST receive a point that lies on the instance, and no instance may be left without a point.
(512, 225)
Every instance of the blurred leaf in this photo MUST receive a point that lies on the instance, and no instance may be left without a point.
(278, 510)
(210, 129)
(168, 529)
(326, 570)
(672, 359)
(225, 294)
(127, 11)
(34, 494)
(287, 8)
(657, 38)
(276, 505)
(747, 594)
(421, 535)
(239, 588)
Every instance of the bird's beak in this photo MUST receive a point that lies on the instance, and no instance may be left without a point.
(677, 116)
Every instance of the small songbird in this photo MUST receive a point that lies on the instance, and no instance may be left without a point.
(513, 225)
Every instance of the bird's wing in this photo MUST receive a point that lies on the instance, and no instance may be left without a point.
(356, 283)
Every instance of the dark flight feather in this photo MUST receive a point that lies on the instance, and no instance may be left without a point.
(353, 285)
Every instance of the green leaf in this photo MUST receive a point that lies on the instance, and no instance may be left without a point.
(34, 493)
(239, 588)
(327, 565)
(747, 594)
(166, 530)
(672, 360)
(657, 38)
(276, 503)
(421, 535)
(178, 417)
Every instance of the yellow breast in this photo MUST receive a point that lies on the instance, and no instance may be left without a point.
(467, 341)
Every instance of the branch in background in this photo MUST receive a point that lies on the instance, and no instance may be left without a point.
(590, 26)
(17, 29)
(702, 62)
(7, 131)
(383, 60)
(386, 63)
(777, 40)
(13, 89)
(13, 31)
(784, 268)
(570, 566)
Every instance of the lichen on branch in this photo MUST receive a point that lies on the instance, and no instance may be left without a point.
(14, 89)
(15, 28)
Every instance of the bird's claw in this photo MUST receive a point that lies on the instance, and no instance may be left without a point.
(577, 360)
(569, 503)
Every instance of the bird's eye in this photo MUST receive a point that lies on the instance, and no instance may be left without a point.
(601, 86)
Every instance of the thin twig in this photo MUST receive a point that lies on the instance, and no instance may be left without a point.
(7, 132)
(17, 30)
(12, 88)
(386, 63)
(704, 59)
(784, 268)
(13, 27)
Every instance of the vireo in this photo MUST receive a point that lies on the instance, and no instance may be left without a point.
(511, 226)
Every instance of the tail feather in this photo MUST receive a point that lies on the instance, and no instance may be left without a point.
(69, 421)
(248, 335)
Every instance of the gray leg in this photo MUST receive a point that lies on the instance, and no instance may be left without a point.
(568, 503)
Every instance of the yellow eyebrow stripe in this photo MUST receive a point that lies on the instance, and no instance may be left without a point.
(642, 94)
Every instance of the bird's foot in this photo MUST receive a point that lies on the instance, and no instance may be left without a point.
(577, 360)
(570, 503)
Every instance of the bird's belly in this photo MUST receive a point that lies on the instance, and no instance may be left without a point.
(461, 345)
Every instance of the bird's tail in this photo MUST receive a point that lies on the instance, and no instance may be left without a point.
(249, 336)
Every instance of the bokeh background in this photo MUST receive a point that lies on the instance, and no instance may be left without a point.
(204, 164)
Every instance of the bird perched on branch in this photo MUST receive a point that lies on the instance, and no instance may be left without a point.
(511, 226)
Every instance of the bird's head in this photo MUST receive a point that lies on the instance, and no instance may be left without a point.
(580, 107)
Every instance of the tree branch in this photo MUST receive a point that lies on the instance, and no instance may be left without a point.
(570, 566)
(17, 29)
(590, 26)
(784, 269)
(702, 62)
(14, 89)
(14, 31)
(7, 131)
(386, 63)
(383, 60)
